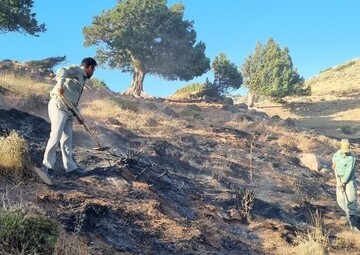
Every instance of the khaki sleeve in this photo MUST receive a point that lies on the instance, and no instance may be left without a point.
(61, 77)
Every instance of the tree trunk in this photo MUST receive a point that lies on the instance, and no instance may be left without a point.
(250, 99)
(136, 88)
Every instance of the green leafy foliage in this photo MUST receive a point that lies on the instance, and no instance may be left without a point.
(269, 71)
(147, 37)
(226, 74)
(24, 229)
(16, 15)
(192, 89)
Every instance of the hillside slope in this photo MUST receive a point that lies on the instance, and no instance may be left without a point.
(180, 178)
(332, 109)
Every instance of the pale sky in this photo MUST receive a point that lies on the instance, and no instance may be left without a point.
(319, 34)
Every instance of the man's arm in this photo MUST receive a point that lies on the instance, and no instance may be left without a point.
(60, 78)
(340, 185)
(349, 171)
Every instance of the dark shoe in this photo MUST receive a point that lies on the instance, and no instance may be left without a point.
(353, 224)
(50, 173)
(43, 174)
(76, 173)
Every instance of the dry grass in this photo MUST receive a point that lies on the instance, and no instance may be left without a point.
(287, 139)
(332, 106)
(142, 186)
(332, 143)
(348, 241)
(273, 242)
(309, 246)
(127, 116)
(315, 242)
(71, 244)
(336, 79)
(23, 92)
(294, 142)
(154, 221)
(13, 156)
(23, 86)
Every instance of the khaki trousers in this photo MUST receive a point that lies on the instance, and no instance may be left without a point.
(61, 120)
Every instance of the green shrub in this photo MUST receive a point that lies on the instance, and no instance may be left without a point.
(24, 229)
(98, 84)
(189, 90)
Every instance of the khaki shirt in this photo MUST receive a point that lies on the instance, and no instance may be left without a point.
(72, 79)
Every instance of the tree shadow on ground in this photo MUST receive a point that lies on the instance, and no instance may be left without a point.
(323, 108)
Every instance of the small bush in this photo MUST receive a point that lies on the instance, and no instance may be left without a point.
(24, 229)
(189, 90)
(13, 156)
(98, 84)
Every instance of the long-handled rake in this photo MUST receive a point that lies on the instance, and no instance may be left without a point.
(82, 121)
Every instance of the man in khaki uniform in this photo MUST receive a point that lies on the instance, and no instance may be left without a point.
(346, 185)
(70, 84)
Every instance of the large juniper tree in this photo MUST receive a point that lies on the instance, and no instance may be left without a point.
(16, 16)
(147, 37)
(269, 71)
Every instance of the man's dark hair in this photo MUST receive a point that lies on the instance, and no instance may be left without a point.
(88, 62)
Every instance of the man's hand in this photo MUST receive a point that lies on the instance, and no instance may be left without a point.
(80, 119)
(61, 90)
(341, 186)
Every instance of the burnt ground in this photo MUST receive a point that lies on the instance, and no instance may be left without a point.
(176, 195)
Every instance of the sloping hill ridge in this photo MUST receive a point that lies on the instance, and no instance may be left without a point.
(223, 180)
(332, 109)
(343, 79)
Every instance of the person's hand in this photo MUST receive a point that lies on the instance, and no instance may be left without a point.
(80, 119)
(61, 91)
(341, 186)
